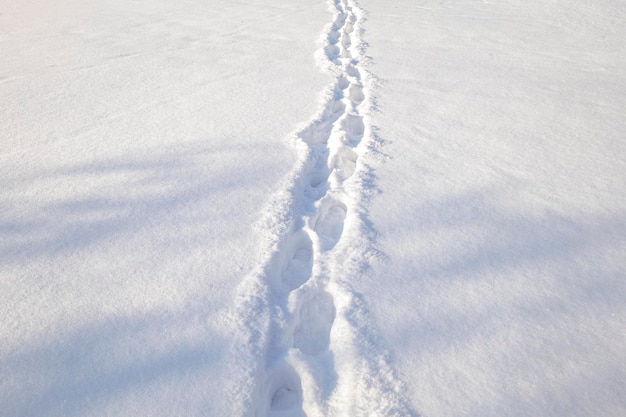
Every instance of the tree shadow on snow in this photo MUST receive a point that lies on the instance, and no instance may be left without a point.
(502, 289)
(105, 364)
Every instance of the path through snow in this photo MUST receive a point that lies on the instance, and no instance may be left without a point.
(319, 354)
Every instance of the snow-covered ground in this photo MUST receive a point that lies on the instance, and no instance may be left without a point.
(313, 208)
(502, 213)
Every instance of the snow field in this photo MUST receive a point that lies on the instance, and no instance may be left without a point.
(501, 216)
(447, 238)
(138, 142)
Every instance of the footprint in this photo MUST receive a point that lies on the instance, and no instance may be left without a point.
(356, 93)
(332, 51)
(344, 163)
(342, 83)
(317, 133)
(300, 264)
(348, 27)
(345, 40)
(319, 178)
(339, 21)
(329, 223)
(318, 174)
(317, 314)
(284, 391)
(353, 72)
(336, 108)
(354, 126)
(333, 37)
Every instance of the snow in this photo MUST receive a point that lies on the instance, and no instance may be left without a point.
(138, 147)
(501, 213)
(296, 208)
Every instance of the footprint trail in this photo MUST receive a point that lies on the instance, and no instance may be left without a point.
(320, 356)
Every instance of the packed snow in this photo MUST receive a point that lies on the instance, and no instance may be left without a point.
(313, 208)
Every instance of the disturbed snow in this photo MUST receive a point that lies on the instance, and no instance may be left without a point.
(210, 209)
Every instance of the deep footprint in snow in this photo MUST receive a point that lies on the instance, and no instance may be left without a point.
(342, 83)
(339, 21)
(300, 264)
(284, 391)
(312, 336)
(333, 37)
(329, 223)
(337, 107)
(356, 94)
(344, 163)
(332, 51)
(317, 133)
(345, 40)
(354, 127)
(353, 72)
(319, 178)
(319, 173)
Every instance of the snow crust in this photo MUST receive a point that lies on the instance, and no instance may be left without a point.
(501, 289)
(296, 208)
(139, 142)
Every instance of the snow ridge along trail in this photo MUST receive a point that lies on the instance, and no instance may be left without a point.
(306, 345)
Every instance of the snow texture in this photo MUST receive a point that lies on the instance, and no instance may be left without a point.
(211, 209)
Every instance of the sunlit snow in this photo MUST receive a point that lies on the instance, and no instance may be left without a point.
(313, 208)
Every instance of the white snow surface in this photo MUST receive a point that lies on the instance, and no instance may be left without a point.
(313, 208)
